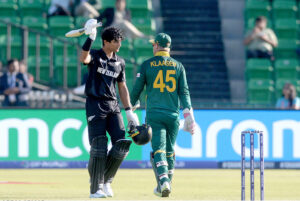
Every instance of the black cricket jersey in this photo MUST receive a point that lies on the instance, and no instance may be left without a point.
(103, 75)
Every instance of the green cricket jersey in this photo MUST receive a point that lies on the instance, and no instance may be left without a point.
(166, 84)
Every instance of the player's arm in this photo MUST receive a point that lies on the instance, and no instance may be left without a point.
(124, 94)
(185, 99)
(138, 85)
(183, 90)
(85, 57)
(91, 31)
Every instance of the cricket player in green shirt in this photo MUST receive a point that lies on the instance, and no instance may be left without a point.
(166, 88)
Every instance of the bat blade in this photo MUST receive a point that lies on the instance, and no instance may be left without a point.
(75, 33)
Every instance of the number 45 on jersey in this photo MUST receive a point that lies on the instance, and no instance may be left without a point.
(160, 83)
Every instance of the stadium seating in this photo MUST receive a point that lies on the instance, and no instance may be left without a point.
(32, 13)
(16, 45)
(107, 4)
(286, 28)
(60, 25)
(8, 8)
(58, 47)
(31, 7)
(284, 9)
(259, 69)
(14, 30)
(44, 46)
(44, 62)
(260, 91)
(256, 8)
(283, 17)
(130, 70)
(287, 69)
(142, 48)
(286, 49)
(80, 21)
(139, 8)
(145, 25)
(71, 70)
(35, 23)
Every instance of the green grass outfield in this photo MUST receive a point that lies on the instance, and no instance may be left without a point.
(138, 184)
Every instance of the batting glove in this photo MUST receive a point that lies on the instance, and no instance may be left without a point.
(90, 28)
(132, 118)
(189, 120)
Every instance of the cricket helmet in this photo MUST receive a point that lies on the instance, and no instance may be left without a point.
(140, 135)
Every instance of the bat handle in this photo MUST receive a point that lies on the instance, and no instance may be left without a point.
(99, 24)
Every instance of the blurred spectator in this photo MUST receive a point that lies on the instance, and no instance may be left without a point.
(83, 8)
(121, 17)
(23, 70)
(97, 4)
(72, 7)
(13, 84)
(24, 97)
(260, 40)
(289, 99)
(60, 7)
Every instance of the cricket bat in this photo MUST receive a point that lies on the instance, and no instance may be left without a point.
(79, 32)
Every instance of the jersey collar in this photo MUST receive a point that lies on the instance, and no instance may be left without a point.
(102, 53)
(162, 53)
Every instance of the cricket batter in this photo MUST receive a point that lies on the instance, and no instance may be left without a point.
(166, 87)
(102, 108)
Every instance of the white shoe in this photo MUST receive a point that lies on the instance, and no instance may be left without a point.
(108, 190)
(165, 189)
(156, 192)
(100, 193)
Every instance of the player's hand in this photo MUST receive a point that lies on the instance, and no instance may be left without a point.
(90, 28)
(132, 118)
(189, 121)
(256, 30)
(263, 37)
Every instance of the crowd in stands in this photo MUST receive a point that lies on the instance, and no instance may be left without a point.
(260, 42)
(15, 84)
(72, 8)
(289, 99)
(118, 16)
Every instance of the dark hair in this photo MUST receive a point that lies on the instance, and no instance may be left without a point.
(111, 33)
(11, 61)
(260, 18)
(292, 93)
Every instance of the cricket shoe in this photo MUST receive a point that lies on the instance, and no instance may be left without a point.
(157, 192)
(165, 189)
(108, 190)
(100, 193)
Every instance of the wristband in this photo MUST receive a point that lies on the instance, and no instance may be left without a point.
(128, 108)
(87, 44)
